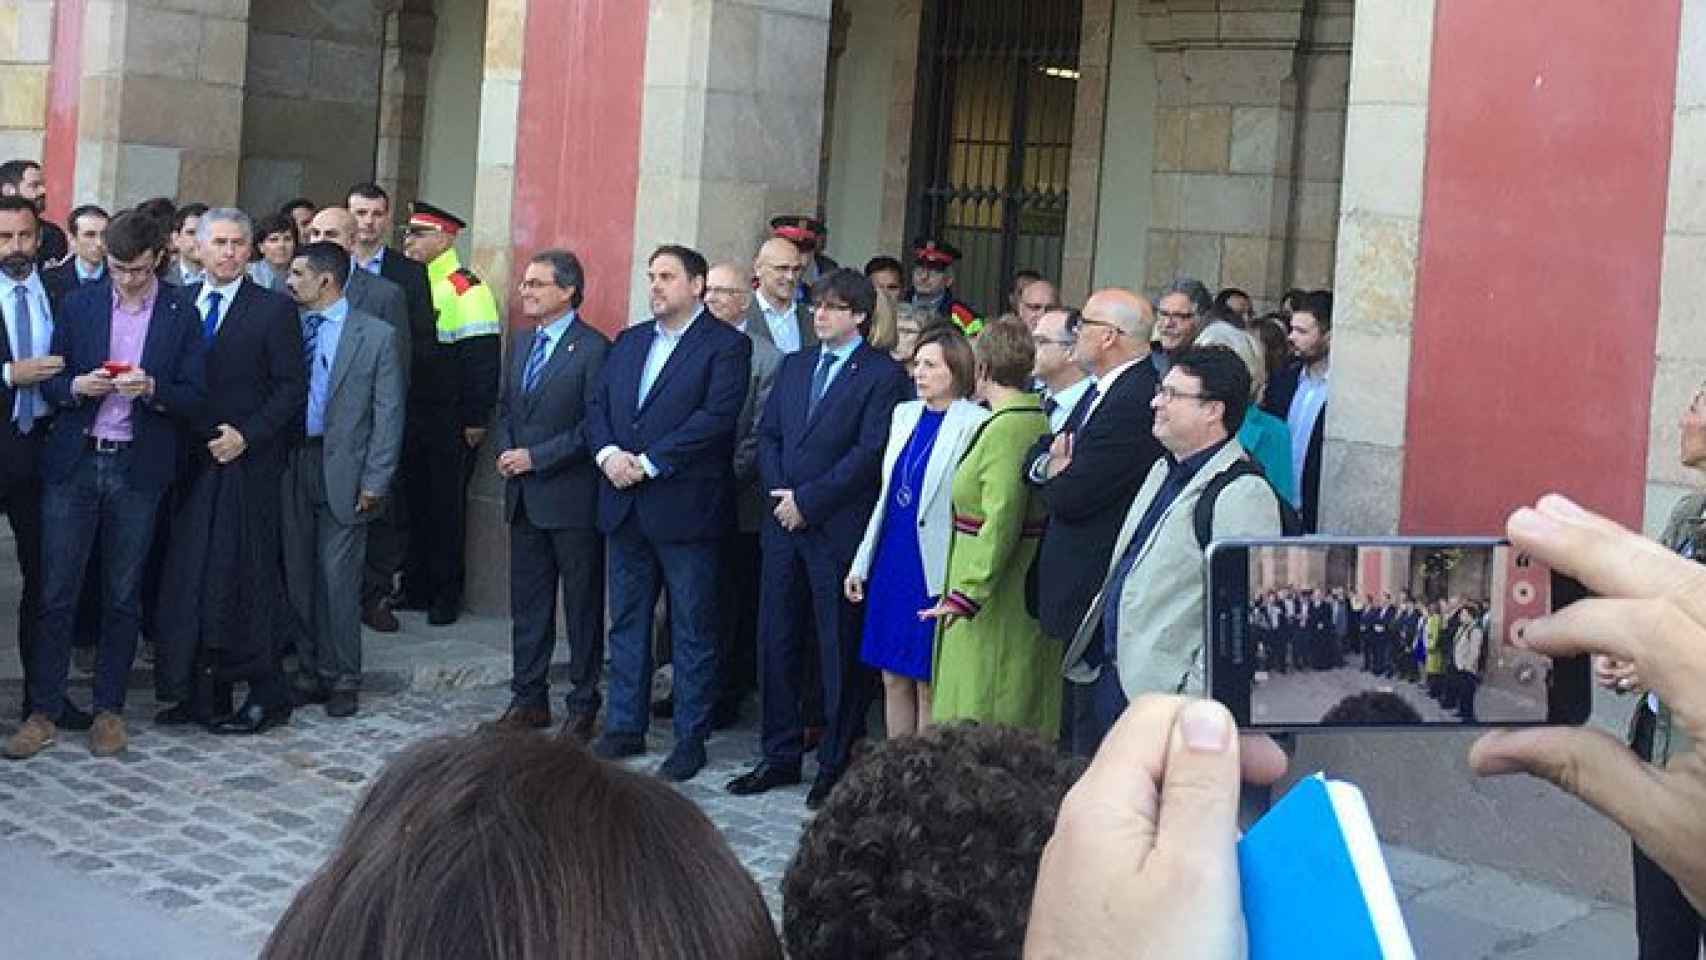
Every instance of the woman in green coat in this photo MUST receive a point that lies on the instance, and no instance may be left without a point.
(1434, 666)
(992, 663)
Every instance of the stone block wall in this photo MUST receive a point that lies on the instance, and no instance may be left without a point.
(1323, 75)
(310, 113)
(160, 112)
(26, 47)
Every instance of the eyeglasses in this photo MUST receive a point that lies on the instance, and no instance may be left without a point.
(1176, 314)
(723, 291)
(820, 306)
(1169, 394)
(1056, 341)
(1087, 322)
(124, 270)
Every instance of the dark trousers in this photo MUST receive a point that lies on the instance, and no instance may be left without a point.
(803, 576)
(1108, 700)
(437, 465)
(1464, 695)
(737, 636)
(96, 502)
(1080, 731)
(540, 562)
(21, 502)
(1666, 924)
(639, 570)
(1374, 653)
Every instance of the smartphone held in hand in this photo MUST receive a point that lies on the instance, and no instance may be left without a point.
(1403, 632)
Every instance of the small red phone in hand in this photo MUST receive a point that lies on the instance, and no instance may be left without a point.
(116, 367)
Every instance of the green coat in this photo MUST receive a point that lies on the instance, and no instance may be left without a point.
(994, 665)
(1435, 646)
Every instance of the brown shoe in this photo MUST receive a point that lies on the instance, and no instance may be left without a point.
(377, 615)
(524, 718)
(107, 738)
(579, 727)
(32, 738)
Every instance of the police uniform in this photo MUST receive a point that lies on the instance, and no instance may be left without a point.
(940, 256)
(459, 393)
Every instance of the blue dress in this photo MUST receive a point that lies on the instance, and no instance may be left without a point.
(895, 639)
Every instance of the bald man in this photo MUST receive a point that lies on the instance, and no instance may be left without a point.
(774, 315)
(387, 540)
(1087, 473)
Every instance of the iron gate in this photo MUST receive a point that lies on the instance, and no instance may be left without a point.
(999, 84)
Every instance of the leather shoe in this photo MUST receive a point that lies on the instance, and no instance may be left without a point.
(524, 718)
(618, 746)
(72, 718)
(378, 616)
(304, 692)
(342, 703)
(762, 778)
(820, 789)
(443, 612)
(250, 719)
(181, 714)
(684, 762)
(579, 727)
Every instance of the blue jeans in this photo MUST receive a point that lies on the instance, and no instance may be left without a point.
(639, 568)
(96, 502)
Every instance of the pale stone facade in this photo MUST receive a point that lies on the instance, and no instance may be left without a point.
(26, 47)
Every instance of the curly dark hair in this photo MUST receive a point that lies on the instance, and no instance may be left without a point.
(1372, 706)
(928, 848)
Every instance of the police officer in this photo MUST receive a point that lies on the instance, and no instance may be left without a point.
(448, 413)
(933, 285)
(810, 235)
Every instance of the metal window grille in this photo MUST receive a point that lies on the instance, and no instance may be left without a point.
(999, 79)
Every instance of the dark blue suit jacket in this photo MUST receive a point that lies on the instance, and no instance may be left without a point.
(172, 354)
(685, 426)
(833, 458)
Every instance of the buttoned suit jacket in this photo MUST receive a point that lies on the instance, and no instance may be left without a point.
(685, 425)
(561, 491)
(364, 416)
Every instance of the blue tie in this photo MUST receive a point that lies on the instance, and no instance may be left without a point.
(535, 362)
(820, 379)
(210, 323)
(311, 338)
(25, 351)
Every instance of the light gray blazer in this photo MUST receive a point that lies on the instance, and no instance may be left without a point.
(1161, 605)
(936, 498)
(364, 415)
(760, 330)
(379, 297)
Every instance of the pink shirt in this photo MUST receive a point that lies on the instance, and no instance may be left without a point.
(129, 333)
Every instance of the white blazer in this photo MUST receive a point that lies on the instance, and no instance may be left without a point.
(935, 499)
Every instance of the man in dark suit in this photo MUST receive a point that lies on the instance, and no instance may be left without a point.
(662, 428)
(1298, 395)
(132, 382)
(551, 496)
(339, 474)
(88, 261)
(820, 452)
(1089, 472)
(727, 295)
(222, 592)
(29, 306)
(774, 314)
(372, 294)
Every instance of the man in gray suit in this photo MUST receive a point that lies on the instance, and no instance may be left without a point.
(551, 496)
(338, 475)
(728, 295)
(367, 293)
(774, 315)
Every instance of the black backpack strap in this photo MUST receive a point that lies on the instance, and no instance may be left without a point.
(1203, 517)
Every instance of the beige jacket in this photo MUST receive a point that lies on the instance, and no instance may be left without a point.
(1161, 606)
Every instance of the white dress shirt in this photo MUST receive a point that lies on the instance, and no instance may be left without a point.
(784, 330)
(227, 293)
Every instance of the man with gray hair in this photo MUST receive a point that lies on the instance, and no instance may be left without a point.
(222, 601)
(1179, 312)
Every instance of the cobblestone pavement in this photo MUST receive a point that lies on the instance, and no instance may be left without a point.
(217, 833)
(221, 831)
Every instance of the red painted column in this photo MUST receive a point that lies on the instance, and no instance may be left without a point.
(1549, 138)
(64, 83)
(578, 144)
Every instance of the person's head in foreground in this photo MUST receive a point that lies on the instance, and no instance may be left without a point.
(512, 845)
(1371, 706)
(1143, 861)
(928, 848)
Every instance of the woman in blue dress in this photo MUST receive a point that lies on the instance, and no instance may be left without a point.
(903, 558)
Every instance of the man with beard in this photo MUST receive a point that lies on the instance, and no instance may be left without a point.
(222, 592)
(23, 178)
(28, 361)
(1178, 316)
(1298, 395)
